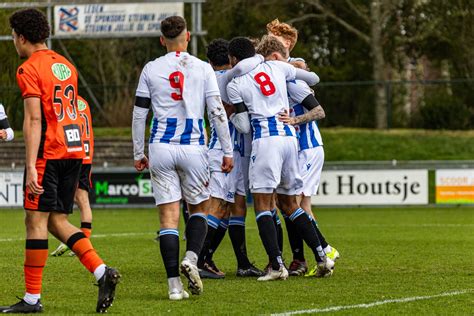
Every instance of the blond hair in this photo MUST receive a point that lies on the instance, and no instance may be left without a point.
(270, 44)
(284, 30)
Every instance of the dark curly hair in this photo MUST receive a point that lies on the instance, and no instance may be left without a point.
(241, 48)
(172, 26)
(32, 24)
(218, 52)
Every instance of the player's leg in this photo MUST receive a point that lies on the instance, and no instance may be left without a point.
(268, 235)
(265, 174)
(277, 222)
(169, 248)
(216, 241)
(167, 193)
(58, 224)
(194, 178)
(290, 188)
(238, 213)
(311, 165)
(82, 201)
(216, 212)
(36, 246)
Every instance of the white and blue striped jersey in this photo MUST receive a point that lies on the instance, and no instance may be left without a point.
(234, 135)
(263, 90)
(308, 133)
(178, 85)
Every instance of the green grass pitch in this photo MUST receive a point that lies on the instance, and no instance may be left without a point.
(386, 253)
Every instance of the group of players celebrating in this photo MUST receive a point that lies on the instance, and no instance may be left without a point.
(264, 140)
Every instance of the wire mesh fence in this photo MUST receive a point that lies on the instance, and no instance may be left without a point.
(436, 104)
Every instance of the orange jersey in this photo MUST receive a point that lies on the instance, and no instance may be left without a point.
(52, 78)
(86, 129)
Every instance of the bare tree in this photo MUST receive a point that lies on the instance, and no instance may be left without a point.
(372, 20)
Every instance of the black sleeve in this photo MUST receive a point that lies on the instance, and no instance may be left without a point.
(240, 108)
(143, 102)
(4, 124)
(310, 102)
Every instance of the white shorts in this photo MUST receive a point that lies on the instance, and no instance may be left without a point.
(222, 185)
(274, 166)
(179, 171)
(311, 162)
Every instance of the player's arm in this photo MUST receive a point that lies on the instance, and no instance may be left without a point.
(315, 113)
(301, 93)
(240, 117)
(292, 73)
(298, 63)
(244, 66)
(6, 132)
(217, 114)
(140, 113)
(32, 138)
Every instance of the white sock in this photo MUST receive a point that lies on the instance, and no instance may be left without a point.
(99, 272)
(328, 249)
(31, 299)
(321, 253)
(175, 284)
(192, 256)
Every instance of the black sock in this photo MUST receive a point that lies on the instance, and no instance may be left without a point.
(307, 232)
(279, 230)
(218, 237)
(268, 235)
(237, 237)
(323, 241)
(296, 242)
(212, 226)
(169, 248)
(185, 212)
(196, 231)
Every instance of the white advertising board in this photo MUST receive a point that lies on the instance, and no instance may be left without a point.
(373, 187)
(119, 18)
(11, 189)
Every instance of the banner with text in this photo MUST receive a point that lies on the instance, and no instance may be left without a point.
(373, 187)
(97, 19)
(11, 189)
(121, 189)
(455, 186)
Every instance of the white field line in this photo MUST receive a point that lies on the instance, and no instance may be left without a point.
(93, 236)
(377, 303)
(399, 225)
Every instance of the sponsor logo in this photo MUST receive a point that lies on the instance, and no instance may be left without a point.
(61, 71)
(81, 105)
(68, 19)
(73, 136)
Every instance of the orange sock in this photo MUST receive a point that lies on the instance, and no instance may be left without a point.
(36, 254)
(82, 247)
(86, 229)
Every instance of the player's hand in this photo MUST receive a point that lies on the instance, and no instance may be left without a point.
(141, 164)
(3, 134)
(227, 164)
(286, 118)
(300, 64)
(32, 182)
